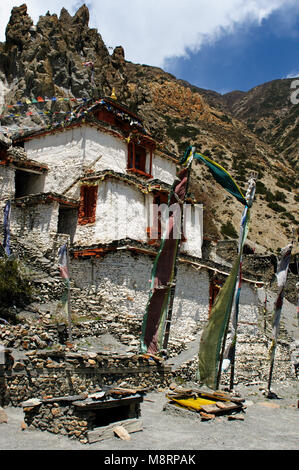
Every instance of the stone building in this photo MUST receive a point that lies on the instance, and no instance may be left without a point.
(93, 182)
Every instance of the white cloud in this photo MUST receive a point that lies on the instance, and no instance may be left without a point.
(151, 30)
(292, 75)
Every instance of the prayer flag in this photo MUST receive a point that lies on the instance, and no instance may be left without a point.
(221, 176)
(211, 341)
(163, 273)
(62, 262)
(281, 277)
(6, 224)
(63, 267)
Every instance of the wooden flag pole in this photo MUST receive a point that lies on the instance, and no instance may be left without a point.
(69, 298)
(249, 198)
(282, 268)
(173, 286)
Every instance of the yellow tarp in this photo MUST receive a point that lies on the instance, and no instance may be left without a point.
(192, 403)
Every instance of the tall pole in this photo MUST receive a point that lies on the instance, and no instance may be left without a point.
(69, 297)
(249, 198)
(281, 275)
(173, 286)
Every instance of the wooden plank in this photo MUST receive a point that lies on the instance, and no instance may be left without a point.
(210, 409)
(106, 432)
(220, 407)
(227, 406)
(94, 405)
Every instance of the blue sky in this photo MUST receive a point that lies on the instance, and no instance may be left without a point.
(245, 58)
(222, 45)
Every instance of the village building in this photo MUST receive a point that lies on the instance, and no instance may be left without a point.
(92, 182)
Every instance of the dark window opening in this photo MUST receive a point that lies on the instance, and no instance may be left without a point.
(67, 221)
(28, 183)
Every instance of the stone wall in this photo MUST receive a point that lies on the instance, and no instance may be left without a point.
(36, 224)
(7, 184)
(59, 373)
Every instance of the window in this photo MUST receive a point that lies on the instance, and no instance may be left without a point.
(67, 221)
(159, 222)
(88, 203)
(28, 183)
(137, 159)
(159, 198)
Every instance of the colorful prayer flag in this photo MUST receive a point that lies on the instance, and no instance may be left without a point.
(163, 272)
(281, 277)
(6, 224)
(211, 341)
(221, 176)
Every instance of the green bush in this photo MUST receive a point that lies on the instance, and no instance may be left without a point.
(15, 288)
(228, 230)
(260, 188)
(276, 207)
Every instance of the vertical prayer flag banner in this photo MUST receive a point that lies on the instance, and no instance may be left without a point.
(281, 277)
(213, 334)
(229, 355)
(63, 268)
(6, 226)
(219, 174)
(163, 273)
(297, 287)
(62, 262)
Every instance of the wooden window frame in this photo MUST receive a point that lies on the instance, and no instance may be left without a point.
(135, 167)
(88, 204)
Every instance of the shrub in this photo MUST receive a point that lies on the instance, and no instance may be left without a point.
(15, 288)
(229, 230)
(276, 207)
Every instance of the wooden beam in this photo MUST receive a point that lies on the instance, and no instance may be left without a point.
(106, 432)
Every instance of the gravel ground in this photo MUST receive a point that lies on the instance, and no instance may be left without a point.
(269, 424)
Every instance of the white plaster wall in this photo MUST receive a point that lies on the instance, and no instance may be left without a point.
(69, 151)
(193, 217)
(120, 213)
(163, 169)
(112, 149)
(63, 152)
(122, 281)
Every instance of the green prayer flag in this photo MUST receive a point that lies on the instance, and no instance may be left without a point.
(212, 337)
(220, 175)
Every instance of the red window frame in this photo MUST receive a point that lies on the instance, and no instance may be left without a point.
(137, 159)
(88, 204)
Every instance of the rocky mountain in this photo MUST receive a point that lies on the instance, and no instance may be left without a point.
(243, 131)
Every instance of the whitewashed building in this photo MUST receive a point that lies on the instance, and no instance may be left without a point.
(94, 181)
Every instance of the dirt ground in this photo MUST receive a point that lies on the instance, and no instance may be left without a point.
(269, 424)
